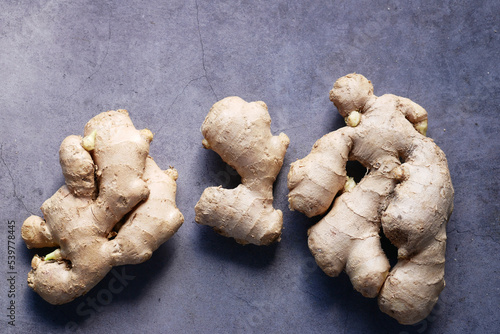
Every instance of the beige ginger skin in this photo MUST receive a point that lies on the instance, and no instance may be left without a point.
(240, 132)
(407, 192)
(116, 208)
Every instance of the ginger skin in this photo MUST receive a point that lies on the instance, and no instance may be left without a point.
(240, 132)
(408, 192)
(134, 201)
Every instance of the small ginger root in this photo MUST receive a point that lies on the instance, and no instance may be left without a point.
(407, 191)
(240, 132)
(116, 208)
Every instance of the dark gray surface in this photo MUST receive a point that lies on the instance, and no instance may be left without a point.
(167, 62)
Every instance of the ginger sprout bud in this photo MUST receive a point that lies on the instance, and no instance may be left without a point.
(421, 127)
(349, 184)
(353, 119)
(55, 255)
(88, 142)
(205, 144)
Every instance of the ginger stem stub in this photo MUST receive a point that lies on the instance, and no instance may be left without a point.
(406, 171)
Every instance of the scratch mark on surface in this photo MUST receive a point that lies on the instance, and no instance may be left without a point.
(182, 91)
(304, 125)
(203, 51)
(475, 234)
(178, 95)
(411, 75)
(98, 67)
(9, 172)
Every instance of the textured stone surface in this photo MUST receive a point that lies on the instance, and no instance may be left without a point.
(167, 62)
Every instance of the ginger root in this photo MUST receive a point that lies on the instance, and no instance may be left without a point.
(240, 132)
(116, 208)
(407, 191)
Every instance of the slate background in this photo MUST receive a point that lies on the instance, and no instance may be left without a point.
(167, 62)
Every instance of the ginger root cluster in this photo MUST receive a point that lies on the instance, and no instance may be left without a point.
(116, 208)
(240, 132)
(407, 193)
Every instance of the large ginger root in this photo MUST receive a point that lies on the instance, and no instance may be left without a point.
(240, 132)
(116, 208)
(407, 191)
